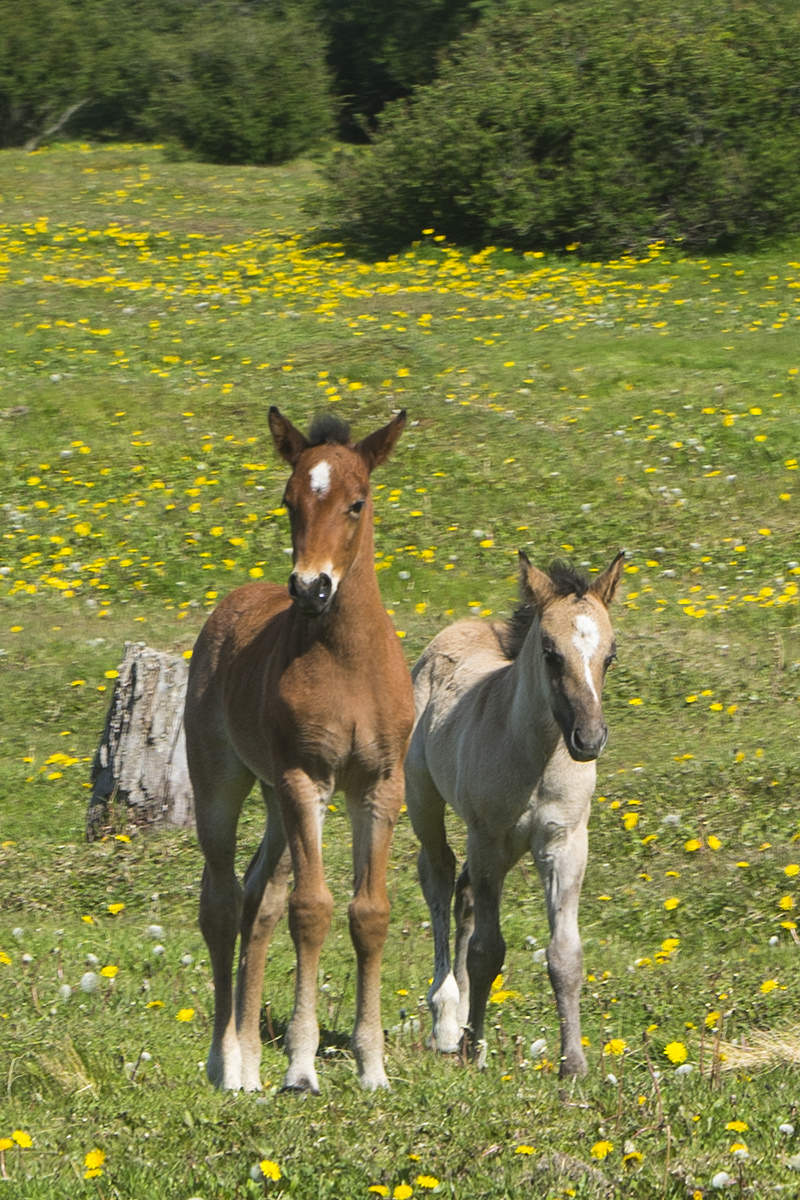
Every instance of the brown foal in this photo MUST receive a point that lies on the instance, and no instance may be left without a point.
(305, 689)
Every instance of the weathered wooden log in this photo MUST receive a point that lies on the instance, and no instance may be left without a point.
(140, 762)
(35, 142)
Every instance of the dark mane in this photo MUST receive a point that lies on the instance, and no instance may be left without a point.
(566, 580)
(327, 428)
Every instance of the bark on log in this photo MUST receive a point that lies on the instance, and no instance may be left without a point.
(141, 759)
(35, 142)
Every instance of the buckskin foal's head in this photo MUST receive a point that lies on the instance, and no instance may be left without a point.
(576, 644)
(329, 502)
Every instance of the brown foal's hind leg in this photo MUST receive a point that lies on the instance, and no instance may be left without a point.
(372, 818)
(265, 885)
(310, 908)
(219, 794)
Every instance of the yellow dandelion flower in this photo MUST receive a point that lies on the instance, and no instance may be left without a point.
(185, 1014)
(601, 1149)
(676, 1052)
(93, 1162)
(270, 1169)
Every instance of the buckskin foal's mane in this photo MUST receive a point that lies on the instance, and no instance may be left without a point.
(565, 580)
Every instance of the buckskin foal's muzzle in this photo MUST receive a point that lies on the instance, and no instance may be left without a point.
(585, 745)
(312, 596)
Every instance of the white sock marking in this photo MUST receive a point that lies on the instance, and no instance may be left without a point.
(320, 475)
(586, 639)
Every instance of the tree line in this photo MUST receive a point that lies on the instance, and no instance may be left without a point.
(535, 123)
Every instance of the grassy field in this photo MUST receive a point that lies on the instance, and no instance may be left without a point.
(150, 314)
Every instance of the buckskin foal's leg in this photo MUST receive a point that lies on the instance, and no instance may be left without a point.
(372, 817)
(436, 868)
(487, 948)
(561, 860)
(265, 883)
(464, 913)
(302, 802)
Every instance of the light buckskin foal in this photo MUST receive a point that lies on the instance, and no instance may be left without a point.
(306, 690)
(509, 723)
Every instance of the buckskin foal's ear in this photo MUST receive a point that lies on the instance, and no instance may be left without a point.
(289, 442)
(605, 585)
(535, 586)
(377, 446)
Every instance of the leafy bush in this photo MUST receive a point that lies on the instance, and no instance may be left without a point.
(379, 52)
(41, 74)
(594, 123)
(246, 86)
(232, 82)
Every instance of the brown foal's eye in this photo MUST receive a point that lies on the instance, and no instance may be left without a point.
(356, 507)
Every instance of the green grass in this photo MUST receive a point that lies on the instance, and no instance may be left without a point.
(151, 312)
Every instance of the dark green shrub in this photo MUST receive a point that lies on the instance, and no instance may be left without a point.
(596, 123)
(44, 66)
(379, 52)
(242, 85)
(233, 82)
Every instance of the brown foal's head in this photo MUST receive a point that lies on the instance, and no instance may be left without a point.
(329, 501)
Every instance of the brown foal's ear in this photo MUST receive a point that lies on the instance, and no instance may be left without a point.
(605, 585)
(377, 446)
(289, 441)
(534, 585)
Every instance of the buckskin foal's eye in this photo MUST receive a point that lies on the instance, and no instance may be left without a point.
(552, 657)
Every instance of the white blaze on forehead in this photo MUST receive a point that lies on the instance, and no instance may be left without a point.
(320, 476)
(586, 639)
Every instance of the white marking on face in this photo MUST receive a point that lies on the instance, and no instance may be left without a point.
(320, 475)
(586, 639)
